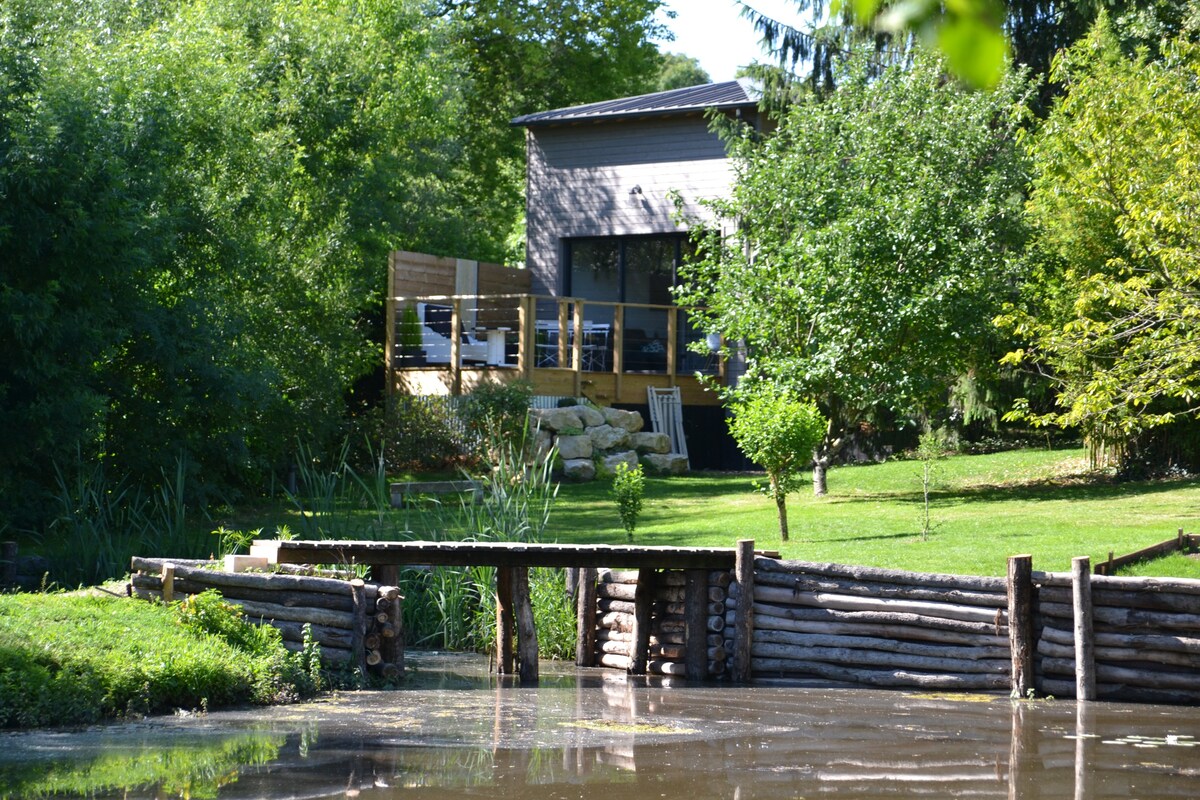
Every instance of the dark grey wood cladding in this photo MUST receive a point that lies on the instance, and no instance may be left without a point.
(615, 178)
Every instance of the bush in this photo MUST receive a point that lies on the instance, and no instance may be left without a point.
(497, 411)
(628, 487)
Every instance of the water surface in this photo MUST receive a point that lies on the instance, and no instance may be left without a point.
(456, 731)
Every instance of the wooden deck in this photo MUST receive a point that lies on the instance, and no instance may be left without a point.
(498, 554)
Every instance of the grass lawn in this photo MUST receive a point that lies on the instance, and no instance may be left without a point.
(985, 509)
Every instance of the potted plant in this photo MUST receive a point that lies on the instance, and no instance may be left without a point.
(408, 339)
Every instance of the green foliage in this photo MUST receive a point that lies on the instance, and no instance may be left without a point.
(778, 432)
(628, 488)
(498, 412)
(99, 524)
(1111, 311)
(679, 71)
(79, 659)
(877, 233)
(199, 198)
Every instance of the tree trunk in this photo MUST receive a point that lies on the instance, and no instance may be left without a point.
(820, 487)
(780, 506)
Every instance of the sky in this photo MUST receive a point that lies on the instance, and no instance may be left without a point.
(713, 32)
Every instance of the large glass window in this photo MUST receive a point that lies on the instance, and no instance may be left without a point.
(624, 269)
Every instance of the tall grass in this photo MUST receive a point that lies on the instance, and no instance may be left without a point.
(101, 524)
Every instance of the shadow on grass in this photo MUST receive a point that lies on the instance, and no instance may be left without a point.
(1041, 490)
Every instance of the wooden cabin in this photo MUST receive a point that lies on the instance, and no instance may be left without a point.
(592, 313)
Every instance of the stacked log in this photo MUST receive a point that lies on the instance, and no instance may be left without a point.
(875, 627)
(352, 622)
(616, 621)
(1145, 635)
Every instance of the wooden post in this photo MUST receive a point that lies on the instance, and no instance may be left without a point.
(577, 347)
(456, 346)
(672, 344)
(1020, 623)
(1085, 646)
(585, 599)
(563, 357)
(743, 616)
(390, 322)
(527, 643)
(618, 337)
(358, 629)
(8, 565)
(695, 624)
(643, 612)
(504, 620)
(526, 340)
(168, 583)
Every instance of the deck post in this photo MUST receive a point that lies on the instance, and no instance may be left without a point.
(1085, 645)
(526, 338)
(563, 357)
(1020, 624)
(672, 345)
(585, 635)
(695, 613)
(743, 615)
(390, 322)
(504, 620)
(618, 337)
(577, 348)
(456, 346)
(643, 612)
(527, 642)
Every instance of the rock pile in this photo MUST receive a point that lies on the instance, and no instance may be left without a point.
(592, 441)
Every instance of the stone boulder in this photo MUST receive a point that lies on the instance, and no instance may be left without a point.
(589, 416)
(608, 465)
(557, 419)
(606, 437)
(647, 442)
(579, 469)
(575, 447)
(626, 420)
(665, 463)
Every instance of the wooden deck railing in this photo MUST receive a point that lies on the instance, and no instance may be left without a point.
(541, 336)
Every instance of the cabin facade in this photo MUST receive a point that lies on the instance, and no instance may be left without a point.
(592, 314)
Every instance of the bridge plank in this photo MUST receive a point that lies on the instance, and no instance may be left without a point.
(500, 554)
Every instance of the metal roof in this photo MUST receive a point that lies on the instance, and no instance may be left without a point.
(692, 99)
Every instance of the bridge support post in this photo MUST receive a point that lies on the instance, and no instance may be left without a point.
(504, 620)
(643, 611)
(527, 642)
(695, 610)
(585, 634)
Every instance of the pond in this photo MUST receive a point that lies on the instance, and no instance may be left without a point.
(456, 731)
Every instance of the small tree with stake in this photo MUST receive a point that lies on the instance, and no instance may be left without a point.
(779, 432)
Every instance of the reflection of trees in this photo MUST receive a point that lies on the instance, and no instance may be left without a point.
(194, 770)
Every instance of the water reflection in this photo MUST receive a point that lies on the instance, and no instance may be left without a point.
(458, 732)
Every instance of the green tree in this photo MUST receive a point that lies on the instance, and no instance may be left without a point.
(1111, 312)
(778, 432)
(678, 71)
(875, 238)
(978, 37)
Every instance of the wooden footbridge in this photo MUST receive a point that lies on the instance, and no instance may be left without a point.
(514, 611)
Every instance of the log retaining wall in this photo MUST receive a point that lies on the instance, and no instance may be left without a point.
(1138, 638)
(352, 621)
